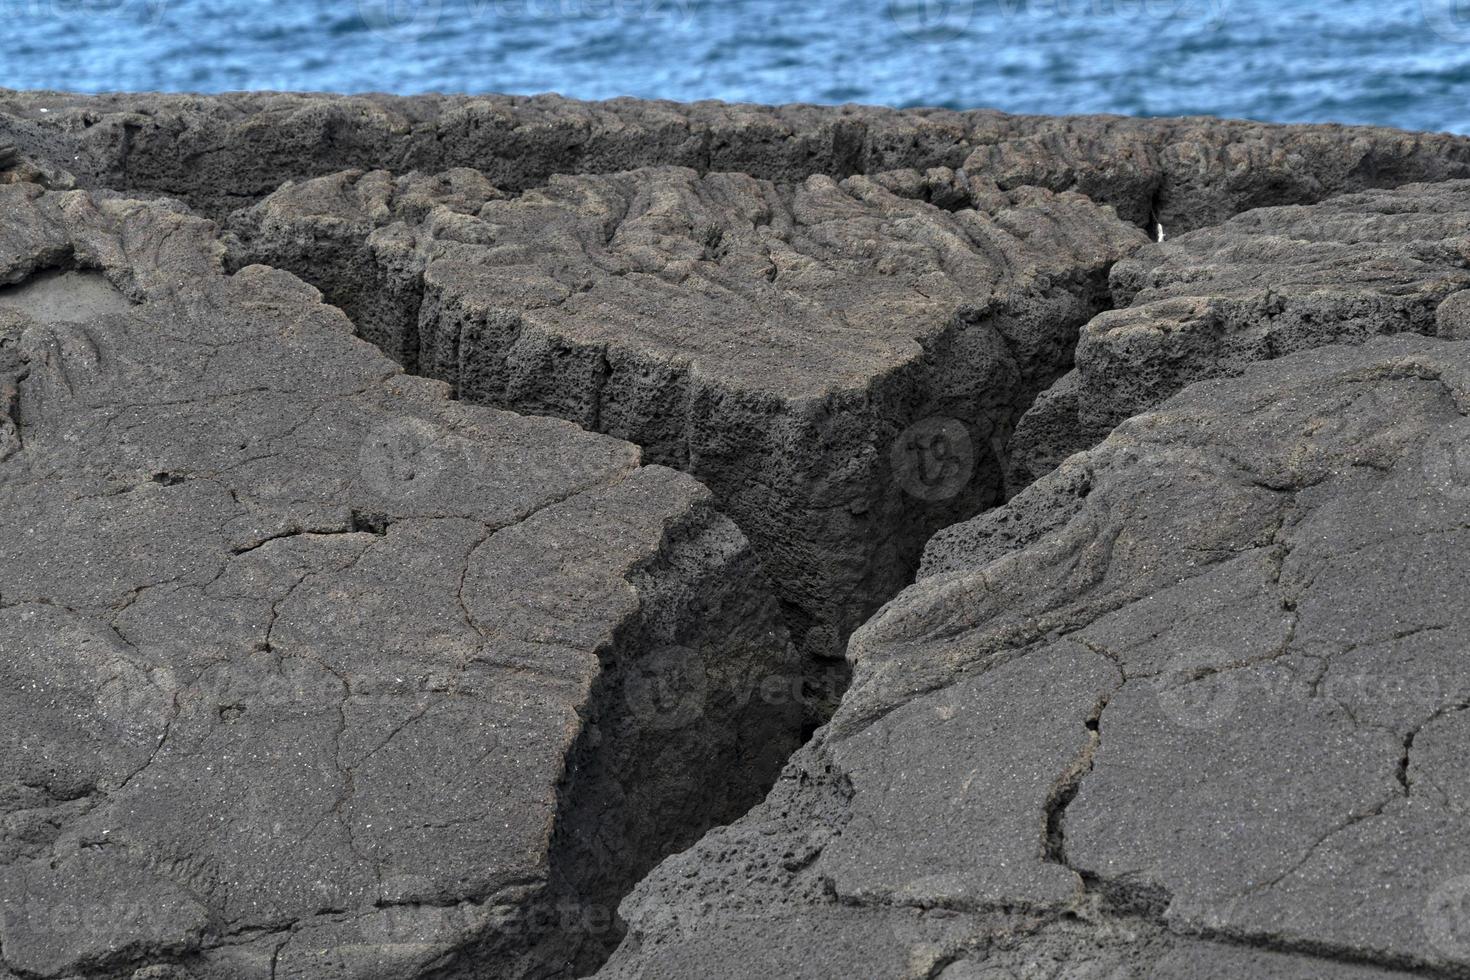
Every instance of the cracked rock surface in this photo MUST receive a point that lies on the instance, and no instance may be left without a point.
(1191, 705)
(792, 346)
(1264, 284)
(321, 663)
(309, 671)
(226, 151)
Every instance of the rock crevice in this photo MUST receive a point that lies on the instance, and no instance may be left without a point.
(840, 368)
(313, 671)
(1247, 789)
(221, 153)
(314, 668)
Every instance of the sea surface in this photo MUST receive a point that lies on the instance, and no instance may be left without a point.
(1394, 62)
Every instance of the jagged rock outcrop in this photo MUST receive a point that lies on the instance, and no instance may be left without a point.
(224, 152)
(837, 363)
(314, 668)
(309, 671)
(1267, 283)
(15, 168)
(1191, 705)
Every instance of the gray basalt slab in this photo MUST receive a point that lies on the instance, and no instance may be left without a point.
(1264, 284)
(836, 362)
(309, 671)
(1192, 705)
(223, 152)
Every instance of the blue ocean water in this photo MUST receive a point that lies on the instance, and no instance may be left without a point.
(1395, 62)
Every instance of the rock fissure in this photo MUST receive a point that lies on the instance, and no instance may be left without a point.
(1262, 613)
(327, 599)
(487, 689)
(819, 480)
(1064, 791)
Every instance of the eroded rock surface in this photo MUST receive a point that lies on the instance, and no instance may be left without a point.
(1267, 283)
(837, 363)
(314, 671)
(1185, 707)
(224, 152)
(309, 671)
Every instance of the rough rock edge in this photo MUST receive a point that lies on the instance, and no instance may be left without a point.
(1259, 286)
(756, 871)
(224, 152)
(354, 235)
(702, 556)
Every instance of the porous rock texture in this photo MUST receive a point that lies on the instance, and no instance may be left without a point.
(315, 668)
(1192, 705)
(223, 152)
(309, 671)
(779, 342)
(1261, 285)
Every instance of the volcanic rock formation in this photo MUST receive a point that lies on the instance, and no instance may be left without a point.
(1191, 705)
(1267, 283)
(310, 671)
(784, 344)
(317, 668)
(222, 152)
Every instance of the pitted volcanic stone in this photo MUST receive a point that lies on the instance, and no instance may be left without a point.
(778, 342)
(1192, 705)
(223, 152)
(1264, 284)
(311, 671)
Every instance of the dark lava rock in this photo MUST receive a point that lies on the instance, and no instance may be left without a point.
(837, 363)
(1267, 283)
(313, 669)
(309, 671)
(1191, 705)
(223, 152)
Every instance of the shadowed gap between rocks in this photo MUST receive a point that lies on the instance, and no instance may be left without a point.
(582, 841)
(589, 875)
(392, 315)
(640, 781)
(589, 880)
(663, 712)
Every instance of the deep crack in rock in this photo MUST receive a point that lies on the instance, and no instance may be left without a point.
(803, 376)
(421, 656)
(778, 301)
